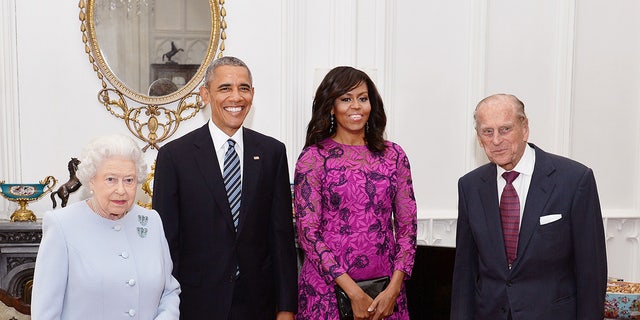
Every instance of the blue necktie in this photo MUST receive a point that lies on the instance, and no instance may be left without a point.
(232, 181)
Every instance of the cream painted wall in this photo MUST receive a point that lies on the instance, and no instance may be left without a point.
(575, 64)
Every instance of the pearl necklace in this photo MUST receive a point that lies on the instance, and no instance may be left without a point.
(93, 207)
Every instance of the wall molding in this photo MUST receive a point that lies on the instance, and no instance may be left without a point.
(294, 101)
(437, 232)
(623, 248)
(476, 88)
(343, 33)
(389, 67)
(10, 167)
(564, 75)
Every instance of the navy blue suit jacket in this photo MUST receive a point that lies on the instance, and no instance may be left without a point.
(561, 268)
(190, 196)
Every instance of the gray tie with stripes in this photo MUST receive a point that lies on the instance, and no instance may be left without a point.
(232, 181)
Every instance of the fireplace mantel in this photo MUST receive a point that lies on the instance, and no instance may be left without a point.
(19, 243)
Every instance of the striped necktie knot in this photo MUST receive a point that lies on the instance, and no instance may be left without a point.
(509, 176)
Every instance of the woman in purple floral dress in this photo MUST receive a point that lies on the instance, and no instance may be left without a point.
(354, 203)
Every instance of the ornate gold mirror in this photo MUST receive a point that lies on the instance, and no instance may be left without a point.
(152, 53)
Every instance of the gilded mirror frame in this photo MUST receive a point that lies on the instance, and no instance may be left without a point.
(153, 121)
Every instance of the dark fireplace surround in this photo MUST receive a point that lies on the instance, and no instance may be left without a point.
(19, 243)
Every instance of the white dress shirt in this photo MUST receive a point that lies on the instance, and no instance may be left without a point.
(522, 182)
(220, 144)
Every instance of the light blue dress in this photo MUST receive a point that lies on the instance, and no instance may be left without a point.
(89, 267)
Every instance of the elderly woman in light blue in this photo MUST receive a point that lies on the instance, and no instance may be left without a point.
(105, 257)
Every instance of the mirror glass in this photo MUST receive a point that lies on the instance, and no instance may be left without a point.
(153, 51)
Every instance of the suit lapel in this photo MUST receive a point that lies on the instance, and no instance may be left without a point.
(209, 167)
(539, 192)
(251, 168)
(489, 196)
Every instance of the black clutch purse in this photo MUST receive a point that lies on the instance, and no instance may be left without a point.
(371, 287)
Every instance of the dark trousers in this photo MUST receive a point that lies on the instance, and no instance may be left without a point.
(241, 307)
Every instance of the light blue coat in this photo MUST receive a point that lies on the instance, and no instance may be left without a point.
(89, 267)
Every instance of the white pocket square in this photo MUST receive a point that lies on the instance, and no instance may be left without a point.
(550, 218)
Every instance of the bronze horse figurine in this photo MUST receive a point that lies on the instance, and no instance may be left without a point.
(68, 187)
(171, 53)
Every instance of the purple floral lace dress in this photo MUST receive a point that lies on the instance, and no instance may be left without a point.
(348, 202)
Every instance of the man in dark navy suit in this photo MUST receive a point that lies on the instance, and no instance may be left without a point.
(234, 254)
(538, 254)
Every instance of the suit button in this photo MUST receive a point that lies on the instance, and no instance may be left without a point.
(508, 283)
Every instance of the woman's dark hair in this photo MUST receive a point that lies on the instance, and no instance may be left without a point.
(337, 82)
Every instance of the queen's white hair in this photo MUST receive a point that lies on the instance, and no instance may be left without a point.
(104, 147)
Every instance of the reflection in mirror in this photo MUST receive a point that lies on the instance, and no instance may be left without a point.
(146, 40)
(162, 87)
(153, 52)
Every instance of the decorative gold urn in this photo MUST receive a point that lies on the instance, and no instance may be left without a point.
(147, 187)
(22, 193)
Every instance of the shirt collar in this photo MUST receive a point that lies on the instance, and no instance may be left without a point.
(525, 165)
(220, 138)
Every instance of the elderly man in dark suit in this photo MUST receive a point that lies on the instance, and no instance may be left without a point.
(530, 240)
(224, 196)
